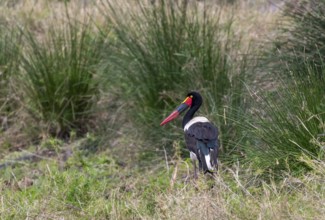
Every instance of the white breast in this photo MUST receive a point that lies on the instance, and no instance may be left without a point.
(195, 120)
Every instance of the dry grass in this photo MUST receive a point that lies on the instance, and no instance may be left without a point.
(100, 188)
(41, 15)
(257, 22)
(253, 18)
(233, 197)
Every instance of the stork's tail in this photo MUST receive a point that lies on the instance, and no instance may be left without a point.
(208, 155)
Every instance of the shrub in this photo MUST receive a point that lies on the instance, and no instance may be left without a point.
(289, 123)
(59, 76)
(302, 36)
(9, 57)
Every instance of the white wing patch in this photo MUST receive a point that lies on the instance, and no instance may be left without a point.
(195, 120)
(207, 160)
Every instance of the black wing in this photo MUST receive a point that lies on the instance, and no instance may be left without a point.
(203, 136)
(203, 131)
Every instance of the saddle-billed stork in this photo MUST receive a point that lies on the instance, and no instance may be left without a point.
(201, 136)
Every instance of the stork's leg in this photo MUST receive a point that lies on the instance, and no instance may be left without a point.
(214, 155)
(194, 159)
(195, 169)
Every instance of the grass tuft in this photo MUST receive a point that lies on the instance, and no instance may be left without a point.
(9, 58)
(301, 37)
(59, 76)
(289, 123)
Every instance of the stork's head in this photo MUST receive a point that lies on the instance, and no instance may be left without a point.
(192, 99)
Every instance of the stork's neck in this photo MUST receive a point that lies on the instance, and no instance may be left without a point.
(190, 113)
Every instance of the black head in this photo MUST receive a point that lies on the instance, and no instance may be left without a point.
(196, 98)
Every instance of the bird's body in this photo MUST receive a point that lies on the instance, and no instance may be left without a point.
(201, 136)
(201, 139)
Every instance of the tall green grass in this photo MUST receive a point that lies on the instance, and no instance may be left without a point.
(288, 123)
(60, 76)
(288, 119)
(301, 37)
(9, 58)
(167, 49)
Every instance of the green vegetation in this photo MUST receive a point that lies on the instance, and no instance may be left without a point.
(180, 43)
(167, 47)
(9, 56)
(59, 81)
(82, 97)
(301, 40)
(290, 119)
(289, 124)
